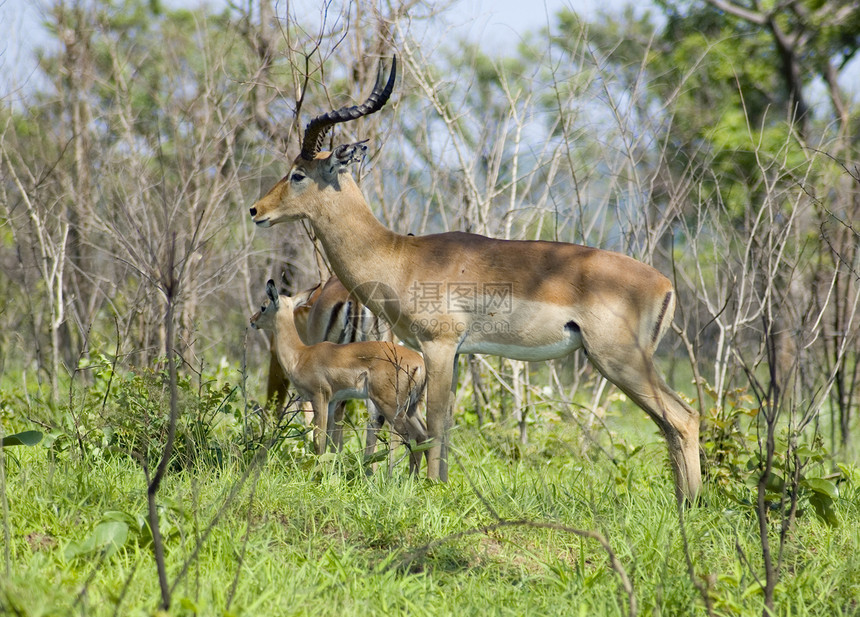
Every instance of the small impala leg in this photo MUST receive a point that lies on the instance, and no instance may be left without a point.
(418, 434)
(375, 420)
(415, 463)
(320, 405)
(307, 413)
(335, 426)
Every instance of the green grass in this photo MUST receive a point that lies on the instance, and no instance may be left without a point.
(304, 537)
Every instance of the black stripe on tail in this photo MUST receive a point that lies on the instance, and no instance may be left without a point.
(655, 337)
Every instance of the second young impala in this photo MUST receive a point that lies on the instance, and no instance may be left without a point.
(390, 375)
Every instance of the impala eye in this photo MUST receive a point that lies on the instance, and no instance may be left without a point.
(297, 176)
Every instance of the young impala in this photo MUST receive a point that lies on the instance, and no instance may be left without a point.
(455, 292)
(328, 312)
(390, 375)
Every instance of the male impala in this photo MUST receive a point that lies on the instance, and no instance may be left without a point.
(390, 375)
(455, 292)
(328, 312)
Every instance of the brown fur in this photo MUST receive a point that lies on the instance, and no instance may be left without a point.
(562, 297)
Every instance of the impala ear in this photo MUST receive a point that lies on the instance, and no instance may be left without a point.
(301, 298)
(272, 292)
(346, 155)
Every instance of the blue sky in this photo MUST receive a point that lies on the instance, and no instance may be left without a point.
(493, 22)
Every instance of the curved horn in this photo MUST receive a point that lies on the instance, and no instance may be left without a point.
(317, 128)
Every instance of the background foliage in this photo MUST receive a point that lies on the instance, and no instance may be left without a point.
(715, 140)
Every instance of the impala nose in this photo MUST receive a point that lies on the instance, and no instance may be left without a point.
(253, 212)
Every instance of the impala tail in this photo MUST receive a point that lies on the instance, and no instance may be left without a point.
(664, 318)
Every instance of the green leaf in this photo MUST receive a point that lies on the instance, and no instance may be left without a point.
(376, 457)
(75, 549)
(753, 589)
(107, 536)
(420, 447)
(775, 483)
(119, 516)
(823, 506)
(807, 452)
(110, 535)
(821, 486)
(25, 438)
(849, 472)
(188, 605)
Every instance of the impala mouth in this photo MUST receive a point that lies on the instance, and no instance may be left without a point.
(264, 223)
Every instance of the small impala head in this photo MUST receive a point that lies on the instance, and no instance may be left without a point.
(264, 319)
(312, 172)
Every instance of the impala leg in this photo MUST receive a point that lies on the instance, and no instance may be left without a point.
(320, 405)
(418, 433)
(678, 422)
(375, 420)
(415, 462)
(682, 438)
(307, 412)
(336, 425)
(410, 431)
(440, 362)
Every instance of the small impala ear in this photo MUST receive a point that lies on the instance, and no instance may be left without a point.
(272, 292)
(346, 155)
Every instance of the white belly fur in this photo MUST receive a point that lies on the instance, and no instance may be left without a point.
(349, 395)
(559, 349)
(533, 332)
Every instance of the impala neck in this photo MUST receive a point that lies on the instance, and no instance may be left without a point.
(358, 246)
(289, 346)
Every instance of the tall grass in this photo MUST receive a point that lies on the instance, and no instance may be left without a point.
(296, 535)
